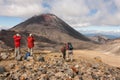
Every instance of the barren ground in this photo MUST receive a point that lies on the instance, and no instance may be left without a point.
(110, 59)
(106, 58)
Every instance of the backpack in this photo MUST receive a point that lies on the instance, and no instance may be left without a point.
(70, 47)
(27, 55)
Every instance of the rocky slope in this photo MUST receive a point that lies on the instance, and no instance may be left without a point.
(99, 39)
(51, 66)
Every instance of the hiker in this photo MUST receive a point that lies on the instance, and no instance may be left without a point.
(17, 39)
(69, 48)
(63, 50)
(30, 42)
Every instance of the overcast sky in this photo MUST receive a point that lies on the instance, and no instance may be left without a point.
(74, 12)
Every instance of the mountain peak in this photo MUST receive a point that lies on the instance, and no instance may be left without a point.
(45, 17)
(51, 27)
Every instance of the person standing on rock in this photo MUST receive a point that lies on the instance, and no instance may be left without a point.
(69, 47)
(63, 50)
(30, 42)
(17, 39)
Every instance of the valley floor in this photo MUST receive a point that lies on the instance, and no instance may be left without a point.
(111, 59)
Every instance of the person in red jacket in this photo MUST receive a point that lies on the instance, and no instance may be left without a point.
(17, 39)
(30, 42)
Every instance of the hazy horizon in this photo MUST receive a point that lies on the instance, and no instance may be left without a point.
(108, 31)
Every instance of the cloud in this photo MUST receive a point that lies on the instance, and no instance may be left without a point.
(74, 12)
(4, 27)
(99, 30)
(21, 8)
(0, 26)
(87, 13)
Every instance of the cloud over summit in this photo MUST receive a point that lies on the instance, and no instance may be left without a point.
(74, 12)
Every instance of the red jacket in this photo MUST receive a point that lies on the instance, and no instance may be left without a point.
(30, 41)
(17, 40)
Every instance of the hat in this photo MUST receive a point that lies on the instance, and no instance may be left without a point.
(17, 34)
(30, 34)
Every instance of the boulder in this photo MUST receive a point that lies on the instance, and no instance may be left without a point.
(19, 58)
(98, 59)
(59, 75)
(2, 69)
(4, 55)
(41, 59)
